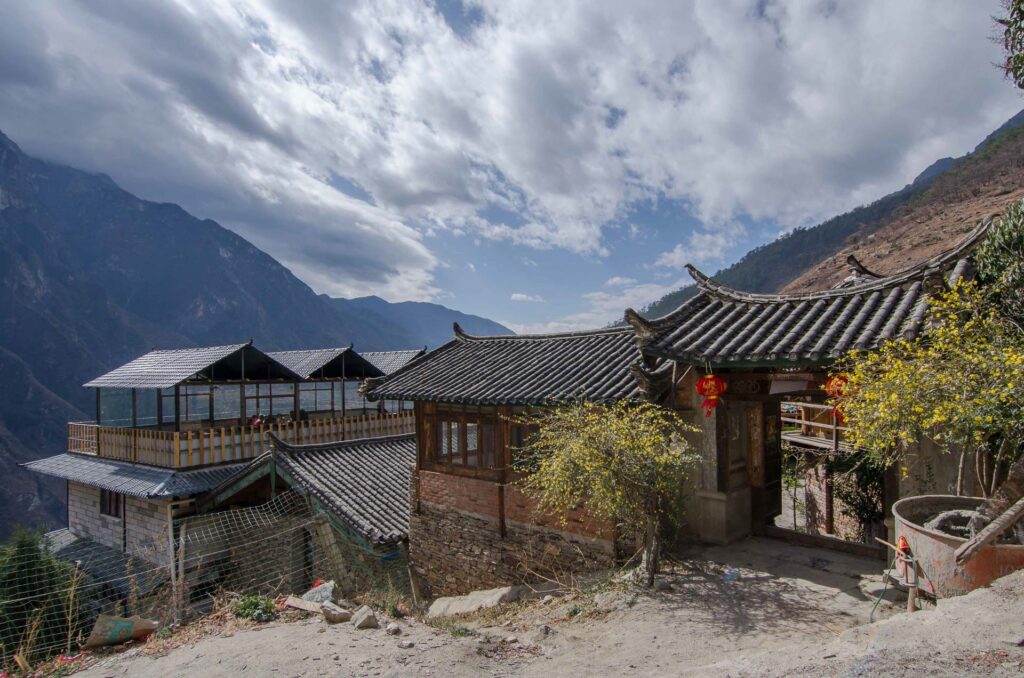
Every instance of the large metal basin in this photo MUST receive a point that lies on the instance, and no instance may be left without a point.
(934, 550)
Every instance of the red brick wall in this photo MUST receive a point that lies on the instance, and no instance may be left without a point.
(465, 494)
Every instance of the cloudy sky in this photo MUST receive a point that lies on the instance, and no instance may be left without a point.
(545, 164)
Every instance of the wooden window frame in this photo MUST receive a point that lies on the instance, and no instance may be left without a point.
(435, 420)
(111, 504)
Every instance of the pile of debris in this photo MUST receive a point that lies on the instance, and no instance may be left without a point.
(321, 600)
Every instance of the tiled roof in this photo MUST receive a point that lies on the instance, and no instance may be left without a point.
(166, 368)
(391, 361)
(365, 482)
(724, 327)
(121, 572)
(520, 369)
(327, 362)
(135, 480)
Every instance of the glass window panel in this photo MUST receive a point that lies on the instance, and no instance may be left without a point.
(472, 444)
(456, 449)
(487, 445)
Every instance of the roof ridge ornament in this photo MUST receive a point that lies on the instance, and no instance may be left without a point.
(459, 332)
(643, 327)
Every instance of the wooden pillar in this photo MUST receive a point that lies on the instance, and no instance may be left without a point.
(211, 409)
(159, 407)
(295, 400)
(135, 409)
(241, 403)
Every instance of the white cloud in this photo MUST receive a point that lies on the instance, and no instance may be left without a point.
(601, 308)
(528, 262)
(472, 267)
(618, 281)
(519, 296)
(335, 135)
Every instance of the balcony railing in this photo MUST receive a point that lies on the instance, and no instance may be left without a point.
(814, 425)
(222, 444)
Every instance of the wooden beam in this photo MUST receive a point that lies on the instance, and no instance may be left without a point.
(990, 533)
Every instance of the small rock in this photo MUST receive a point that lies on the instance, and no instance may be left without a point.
(482, 641)
(662, 585)
(608, 600)
(364, 618)
(393, 629)
(510, 639)
(544, 629)
(406, 644)
(320, 594)
(334, 614)
(546, 600)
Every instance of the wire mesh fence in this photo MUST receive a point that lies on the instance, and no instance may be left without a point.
(53, 587)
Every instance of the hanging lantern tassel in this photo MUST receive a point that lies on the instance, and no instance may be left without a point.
(711, 386)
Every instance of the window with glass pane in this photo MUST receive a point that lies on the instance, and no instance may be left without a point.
(472, 444)
(456, 443)
(487, 446)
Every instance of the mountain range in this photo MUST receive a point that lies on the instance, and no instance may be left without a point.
(93, 276)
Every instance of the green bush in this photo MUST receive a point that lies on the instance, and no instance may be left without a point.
(257, 608)
(40, 600)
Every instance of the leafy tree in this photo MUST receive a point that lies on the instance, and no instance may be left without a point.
(1001, 263)
(40, 606)
(1013, 40)
(623, 463)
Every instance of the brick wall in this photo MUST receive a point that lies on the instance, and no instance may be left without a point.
(456, 544)
(143, 528)
(845, 525)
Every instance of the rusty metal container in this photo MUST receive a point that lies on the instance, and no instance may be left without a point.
(933, 550)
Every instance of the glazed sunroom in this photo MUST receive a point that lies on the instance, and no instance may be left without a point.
(199, 406)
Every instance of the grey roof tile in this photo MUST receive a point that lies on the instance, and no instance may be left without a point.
(520, 369)
(723, 327)
(135, 480)
(327, 362)
(365, 482)
(167, 368)
(391, 361)
(116, 570)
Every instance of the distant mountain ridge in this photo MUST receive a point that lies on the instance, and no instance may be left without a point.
(944, 201)
(431, 322)
(93, 276)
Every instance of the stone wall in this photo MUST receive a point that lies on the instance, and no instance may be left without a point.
(142, 531)
(845, 526)
(456, 543)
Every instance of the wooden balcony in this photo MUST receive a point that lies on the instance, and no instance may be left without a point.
(815, 426)
(224, 444)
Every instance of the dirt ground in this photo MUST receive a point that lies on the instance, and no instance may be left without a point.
(758, 608)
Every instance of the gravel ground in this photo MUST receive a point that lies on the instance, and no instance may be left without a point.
(758, 608)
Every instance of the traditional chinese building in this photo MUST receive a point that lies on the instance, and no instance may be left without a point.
(472, 527)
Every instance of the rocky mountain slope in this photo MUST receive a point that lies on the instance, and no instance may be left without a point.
(92, 276)
(925, 217)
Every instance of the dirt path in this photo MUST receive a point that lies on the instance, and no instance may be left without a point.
(757, 608)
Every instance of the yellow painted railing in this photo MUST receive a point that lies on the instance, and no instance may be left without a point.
(221, 444)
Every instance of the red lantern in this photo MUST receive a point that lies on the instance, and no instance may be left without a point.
(835, 388)
(711, 386)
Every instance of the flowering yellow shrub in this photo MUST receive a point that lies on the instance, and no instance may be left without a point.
(623, 463)
(961, 382)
